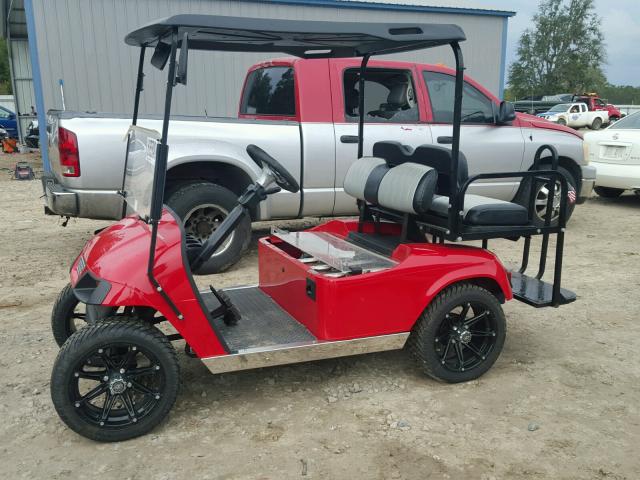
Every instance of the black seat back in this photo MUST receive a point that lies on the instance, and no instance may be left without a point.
(436, 157)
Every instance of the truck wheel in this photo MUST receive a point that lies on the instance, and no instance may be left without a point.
(542, 195)
(597, 123)
(562, 121)
(460, 334)
(608, 192)
(202, 207)
(115, 380)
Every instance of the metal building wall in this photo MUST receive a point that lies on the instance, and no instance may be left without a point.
(81, 42)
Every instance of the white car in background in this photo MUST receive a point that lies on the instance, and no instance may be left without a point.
(615, 152)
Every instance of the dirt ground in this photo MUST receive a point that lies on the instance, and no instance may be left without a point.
(561, 402)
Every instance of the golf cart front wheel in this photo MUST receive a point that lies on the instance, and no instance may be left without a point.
(115, 380)
(460, 334)
(69, 314)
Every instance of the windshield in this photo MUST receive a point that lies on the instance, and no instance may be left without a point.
(560, 108)
(139, 173)
(632, 122)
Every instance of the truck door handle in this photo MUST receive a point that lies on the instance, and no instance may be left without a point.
(349, 139)
(445, 140)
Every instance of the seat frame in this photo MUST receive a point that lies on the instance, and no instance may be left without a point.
(415, 228)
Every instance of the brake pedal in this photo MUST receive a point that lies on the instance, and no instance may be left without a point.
(227, 310)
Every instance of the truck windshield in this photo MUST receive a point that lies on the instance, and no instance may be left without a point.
(563, 107)
(139, 171)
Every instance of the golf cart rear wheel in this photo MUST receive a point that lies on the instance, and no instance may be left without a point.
(608, 192)
(203, 206)
(460, 334)
(115, 380)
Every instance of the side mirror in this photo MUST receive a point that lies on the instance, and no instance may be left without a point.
(161, 55)
(181, 75)
(506, 113)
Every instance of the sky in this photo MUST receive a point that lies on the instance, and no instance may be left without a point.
(620, 26)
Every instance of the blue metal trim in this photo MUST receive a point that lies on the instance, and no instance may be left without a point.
(503, 59)
(387, 6)
(37, 83)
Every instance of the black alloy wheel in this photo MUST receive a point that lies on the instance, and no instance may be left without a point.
(115, 380)
(466, 337)
(460, 334)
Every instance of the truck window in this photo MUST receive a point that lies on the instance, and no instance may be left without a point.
(269, 91)
(389, 96)
(476, 107)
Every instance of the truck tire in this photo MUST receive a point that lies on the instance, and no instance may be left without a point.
(597, 123)
(562, 121)
(522, 197)
(202, 206)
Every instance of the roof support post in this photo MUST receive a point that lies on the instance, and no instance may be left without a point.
(139, 85)
(160, 173)
(455, 203)
(361, 82)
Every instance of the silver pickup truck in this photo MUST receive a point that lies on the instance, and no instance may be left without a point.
(304, 113)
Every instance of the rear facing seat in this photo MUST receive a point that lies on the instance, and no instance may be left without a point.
(403, 187)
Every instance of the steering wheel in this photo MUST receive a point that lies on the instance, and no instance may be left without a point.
(281, 176)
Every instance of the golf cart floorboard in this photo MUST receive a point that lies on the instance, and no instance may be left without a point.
(263, 322)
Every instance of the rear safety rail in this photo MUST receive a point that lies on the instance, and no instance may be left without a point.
(532, 290)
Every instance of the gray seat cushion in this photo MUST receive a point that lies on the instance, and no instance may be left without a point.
(408, 188)
(479, 210)
(363, 178)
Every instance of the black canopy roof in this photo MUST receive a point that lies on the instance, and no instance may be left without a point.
(302, 38)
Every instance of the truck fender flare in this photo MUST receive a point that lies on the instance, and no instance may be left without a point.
(220, 153)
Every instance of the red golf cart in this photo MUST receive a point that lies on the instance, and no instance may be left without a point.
(394, 277)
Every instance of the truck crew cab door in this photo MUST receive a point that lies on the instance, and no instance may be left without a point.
(392, 113)
(488, 147)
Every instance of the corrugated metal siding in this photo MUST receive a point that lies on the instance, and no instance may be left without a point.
(23, 95)
(81, 42)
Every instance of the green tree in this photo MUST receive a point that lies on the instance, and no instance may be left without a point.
(5, 76)
(562, 53)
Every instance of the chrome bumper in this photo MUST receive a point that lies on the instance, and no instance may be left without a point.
(96, 204)
(58, 201)
(587, 183)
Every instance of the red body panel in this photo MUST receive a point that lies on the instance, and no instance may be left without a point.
(375, 303)
(357, 306)
(119, 255)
